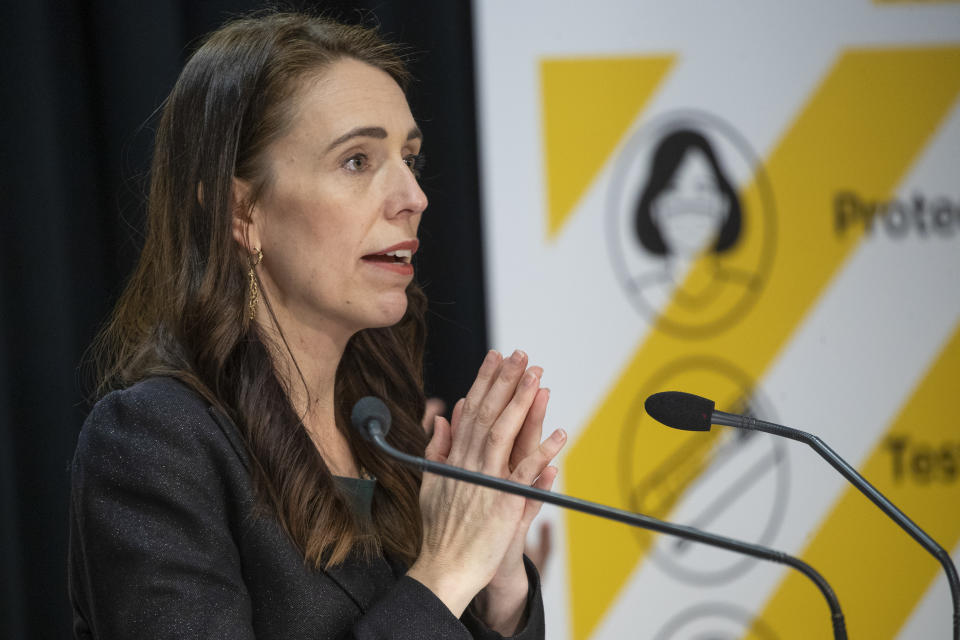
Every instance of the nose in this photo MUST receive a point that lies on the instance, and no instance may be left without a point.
(406, 196)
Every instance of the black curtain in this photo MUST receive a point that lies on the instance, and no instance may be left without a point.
(81, 81)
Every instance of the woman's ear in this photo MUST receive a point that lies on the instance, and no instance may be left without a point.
(245, 228)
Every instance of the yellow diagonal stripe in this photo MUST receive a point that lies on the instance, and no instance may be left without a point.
(877, 570)
(588, 105)
(862, 130)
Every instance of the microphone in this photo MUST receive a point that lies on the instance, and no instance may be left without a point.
(371, 417)
(689, 412)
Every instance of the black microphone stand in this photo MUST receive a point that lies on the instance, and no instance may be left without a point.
(867, 489)
(376, 434)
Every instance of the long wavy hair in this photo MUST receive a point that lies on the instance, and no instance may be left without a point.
(182, 313)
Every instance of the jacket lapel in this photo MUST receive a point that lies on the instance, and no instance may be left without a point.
(363, 581)
(232, 434)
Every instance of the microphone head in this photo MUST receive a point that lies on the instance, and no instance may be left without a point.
(367, 411)
(680, 410)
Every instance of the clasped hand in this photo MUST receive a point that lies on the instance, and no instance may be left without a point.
(473, 537)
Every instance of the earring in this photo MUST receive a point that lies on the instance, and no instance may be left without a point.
(254, 289)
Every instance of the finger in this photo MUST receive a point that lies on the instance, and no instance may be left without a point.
(457, 413)
(502, 436)
(439, 446)
(534, 464)
(498, 396)
(531, 432)
(434, 407)
(489, 369)
(532, 507)
(471, 403)
(455, 418)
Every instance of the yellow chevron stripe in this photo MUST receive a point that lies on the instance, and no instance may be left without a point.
(880, 574)
(588, 105)
(861, 130)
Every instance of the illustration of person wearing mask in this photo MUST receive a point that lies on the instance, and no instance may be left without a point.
(686, 210)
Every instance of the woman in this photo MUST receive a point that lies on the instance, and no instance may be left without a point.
(217, 488)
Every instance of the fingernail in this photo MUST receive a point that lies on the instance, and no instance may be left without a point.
(528, 379)
(517, 356)
(490, 357)
(559, 435)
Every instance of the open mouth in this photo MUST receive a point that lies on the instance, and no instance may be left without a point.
(396, 258)
(400, 256)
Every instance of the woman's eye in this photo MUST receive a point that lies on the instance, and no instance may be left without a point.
(416, 162)
(358, 162)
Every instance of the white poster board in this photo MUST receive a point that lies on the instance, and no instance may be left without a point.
(758, 202)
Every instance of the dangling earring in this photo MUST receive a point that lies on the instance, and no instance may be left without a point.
(254, 289)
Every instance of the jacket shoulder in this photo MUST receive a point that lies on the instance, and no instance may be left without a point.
(157, 421)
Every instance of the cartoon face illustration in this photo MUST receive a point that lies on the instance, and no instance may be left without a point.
(691, 223)
(687, 205)
(691, 209)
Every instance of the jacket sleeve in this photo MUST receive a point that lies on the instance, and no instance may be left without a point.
(533, 629)
(151, 550)
(411, 610)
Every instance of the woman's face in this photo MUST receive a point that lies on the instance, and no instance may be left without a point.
(343, 194)
(691, 209)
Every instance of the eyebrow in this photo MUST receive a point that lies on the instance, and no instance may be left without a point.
(372, 132)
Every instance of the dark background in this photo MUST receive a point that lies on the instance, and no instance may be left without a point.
(81, 82)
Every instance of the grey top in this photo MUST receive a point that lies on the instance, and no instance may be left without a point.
(360, 492)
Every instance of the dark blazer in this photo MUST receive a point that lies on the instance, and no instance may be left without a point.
(165, 543)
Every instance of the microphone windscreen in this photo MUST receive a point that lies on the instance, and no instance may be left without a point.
(367, 410)
(680, 410)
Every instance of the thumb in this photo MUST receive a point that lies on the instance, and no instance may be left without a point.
(439, 446)
(433, 408)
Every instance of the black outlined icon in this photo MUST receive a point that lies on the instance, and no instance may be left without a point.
(690, 249)
(726, 481)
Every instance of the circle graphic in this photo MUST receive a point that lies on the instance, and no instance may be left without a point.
(690, 243)
(726, 481)
(715, 621)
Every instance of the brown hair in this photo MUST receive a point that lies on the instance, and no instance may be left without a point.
(182, 312)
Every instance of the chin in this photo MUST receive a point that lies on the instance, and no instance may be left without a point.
(389, 312)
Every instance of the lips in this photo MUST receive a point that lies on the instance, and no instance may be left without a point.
(395, 258)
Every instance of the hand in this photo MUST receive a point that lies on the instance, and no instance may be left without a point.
(501, 602)
(527, 441)
(469, 529)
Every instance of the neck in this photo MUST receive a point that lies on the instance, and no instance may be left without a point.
(306, 358)
(309, 369)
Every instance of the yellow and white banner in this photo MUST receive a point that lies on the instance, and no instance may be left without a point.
(758, 202)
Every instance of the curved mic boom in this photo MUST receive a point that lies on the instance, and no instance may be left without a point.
(371, 417)
(679, 410)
